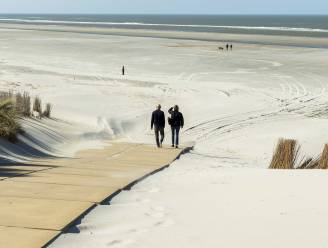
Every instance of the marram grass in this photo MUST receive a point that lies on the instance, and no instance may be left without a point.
(286, 154)
(16, 106)
(323, 162)
(9, 124)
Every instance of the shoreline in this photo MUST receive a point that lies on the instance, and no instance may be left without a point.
(256, 39)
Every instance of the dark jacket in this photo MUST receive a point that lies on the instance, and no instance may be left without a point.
(158, 119)
(176, 118)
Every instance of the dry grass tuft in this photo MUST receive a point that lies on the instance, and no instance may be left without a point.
(15, 106)
(285, 155)
(23, 104)
(9, 125)
(323, 162)
(309, 163)
(37, 106)
(4, 96)
(47, 111)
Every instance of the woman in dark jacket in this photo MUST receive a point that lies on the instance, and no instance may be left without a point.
(176, 121)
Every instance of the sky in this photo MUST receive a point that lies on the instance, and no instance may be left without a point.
(166, 6)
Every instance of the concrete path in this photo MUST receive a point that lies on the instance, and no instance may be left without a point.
(40, 200)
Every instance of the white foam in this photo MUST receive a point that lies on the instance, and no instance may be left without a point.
(141, 24)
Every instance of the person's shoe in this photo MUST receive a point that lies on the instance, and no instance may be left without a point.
(172, 146)
(177, 147)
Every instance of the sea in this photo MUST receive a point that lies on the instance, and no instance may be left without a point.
(291, 25)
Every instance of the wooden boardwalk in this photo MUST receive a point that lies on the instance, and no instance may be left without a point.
(38, 201)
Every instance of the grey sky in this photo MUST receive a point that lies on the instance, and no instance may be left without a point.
(166, 6)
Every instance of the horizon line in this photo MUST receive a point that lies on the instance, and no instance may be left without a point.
(195, 14)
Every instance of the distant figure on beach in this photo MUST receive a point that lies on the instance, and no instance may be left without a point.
(123, 70)
(176, 121)
(221, 49)
(231, 47)
(227, 46)
(158, 123)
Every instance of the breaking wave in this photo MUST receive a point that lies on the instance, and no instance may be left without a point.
(141, 24)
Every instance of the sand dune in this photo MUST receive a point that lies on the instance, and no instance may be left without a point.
(47, 138)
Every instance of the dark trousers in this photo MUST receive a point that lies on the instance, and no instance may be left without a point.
(159, 131)
(175, 135)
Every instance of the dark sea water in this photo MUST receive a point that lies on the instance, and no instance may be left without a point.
(311, 26)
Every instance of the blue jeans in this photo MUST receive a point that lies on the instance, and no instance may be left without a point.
(159, 131)
(175, 135)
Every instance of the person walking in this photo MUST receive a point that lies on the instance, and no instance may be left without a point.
(227, 47)
(123, 70)
(177, 122)
(158, 124)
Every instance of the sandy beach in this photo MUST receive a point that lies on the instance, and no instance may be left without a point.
(236, 104)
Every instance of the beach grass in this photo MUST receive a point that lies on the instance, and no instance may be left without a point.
(309, 163)
(9, 120)
(320, 162)
(47, 111)
(5, 95)
(14, 106)
(286, 154)
(23, 104)
(37, 106)
(323, 162)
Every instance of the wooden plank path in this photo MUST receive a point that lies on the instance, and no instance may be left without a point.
(38, 201)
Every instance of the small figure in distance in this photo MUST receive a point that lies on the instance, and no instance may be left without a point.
(221, 49)
(227, 47)
(176, 121)
(123, 70)
(231, 47)
(158, 123)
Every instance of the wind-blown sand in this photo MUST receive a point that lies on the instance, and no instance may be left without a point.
(236, 105)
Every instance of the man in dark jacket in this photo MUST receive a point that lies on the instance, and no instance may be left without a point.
(158, 123)
(176, 122)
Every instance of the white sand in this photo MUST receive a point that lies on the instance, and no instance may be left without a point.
(236, 106)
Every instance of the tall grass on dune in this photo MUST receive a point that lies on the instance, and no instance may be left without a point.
(320, 162)
(6, 95)
(15, 106)
(323, 162)
(37, 106)
(23, 104)
(47, 111)
(309, 163)
(286, 154)
(9, 124)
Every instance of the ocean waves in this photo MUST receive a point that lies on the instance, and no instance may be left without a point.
(199, 27)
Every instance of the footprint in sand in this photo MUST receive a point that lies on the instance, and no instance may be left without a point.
(157, 212)
(165, 223)
(138, 231)
(119, 243)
